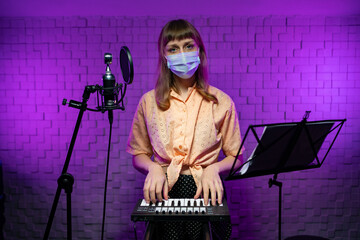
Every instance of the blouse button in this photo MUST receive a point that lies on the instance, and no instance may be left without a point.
(180, 146)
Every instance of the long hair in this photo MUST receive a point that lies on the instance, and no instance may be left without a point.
(178, 30)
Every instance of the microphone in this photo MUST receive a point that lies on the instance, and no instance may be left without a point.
(108, 94)
(109, 82)
(110, 90)
(109, 86)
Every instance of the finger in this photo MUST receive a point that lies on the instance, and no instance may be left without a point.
(146, 196)
(146, 192)
(206, 194)
(152, 193)
(166, 190)
(219, 191)
(198, 191)
(158, 191)
(213, 194)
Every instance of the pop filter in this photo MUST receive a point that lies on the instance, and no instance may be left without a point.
(126, 65)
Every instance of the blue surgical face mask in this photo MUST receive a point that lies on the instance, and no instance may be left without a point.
(184, 65)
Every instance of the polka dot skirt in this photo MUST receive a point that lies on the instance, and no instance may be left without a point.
(185, 187)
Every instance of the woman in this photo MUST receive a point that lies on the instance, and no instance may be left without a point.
(184, 123)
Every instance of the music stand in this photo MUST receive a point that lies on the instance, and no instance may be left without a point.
(285, 147)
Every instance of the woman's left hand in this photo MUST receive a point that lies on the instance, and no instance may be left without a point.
(210, 183)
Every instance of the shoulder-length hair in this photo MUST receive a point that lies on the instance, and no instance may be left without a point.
(178, 30)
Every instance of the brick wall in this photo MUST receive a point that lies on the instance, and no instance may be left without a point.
(274, 68)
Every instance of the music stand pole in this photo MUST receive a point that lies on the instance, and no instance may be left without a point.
(273, 181)
(66, 180)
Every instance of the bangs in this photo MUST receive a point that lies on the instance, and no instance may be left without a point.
(179, 34)
(179, 30)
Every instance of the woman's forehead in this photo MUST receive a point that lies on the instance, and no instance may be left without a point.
(180, 42)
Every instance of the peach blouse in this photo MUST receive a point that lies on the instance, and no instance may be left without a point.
(191, 132)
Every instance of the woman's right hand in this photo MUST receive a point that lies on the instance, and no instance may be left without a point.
(155, 185)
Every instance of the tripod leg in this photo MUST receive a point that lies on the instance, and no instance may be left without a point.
(66, 181)
(52, 213)
(68, 202)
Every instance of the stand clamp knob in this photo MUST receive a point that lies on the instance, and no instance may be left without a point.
(66, 181)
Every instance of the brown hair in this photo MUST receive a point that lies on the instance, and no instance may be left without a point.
(178, 30)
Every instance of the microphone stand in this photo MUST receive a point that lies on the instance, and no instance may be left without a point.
(66, 180)
(111, 117)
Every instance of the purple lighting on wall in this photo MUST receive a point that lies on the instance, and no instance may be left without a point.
(275, 66)
(173, 8)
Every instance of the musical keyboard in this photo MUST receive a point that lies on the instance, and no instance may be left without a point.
(180, 209)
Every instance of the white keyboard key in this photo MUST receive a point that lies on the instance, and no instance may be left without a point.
(183, 210)
(144, 204)
(177, 210)
(196, 210)
(171, 202)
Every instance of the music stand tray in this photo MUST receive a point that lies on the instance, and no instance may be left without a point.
(285, 147)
